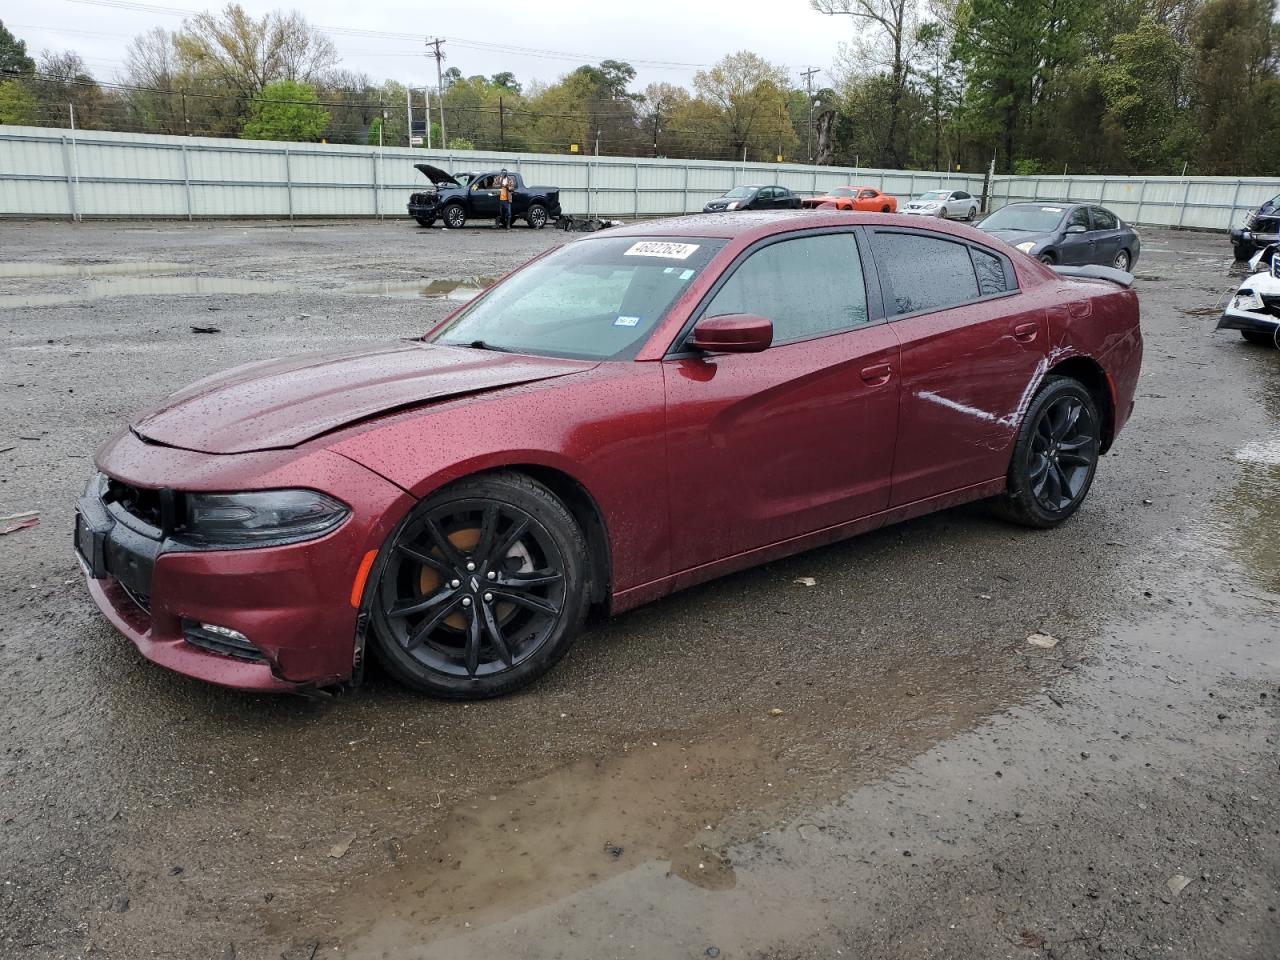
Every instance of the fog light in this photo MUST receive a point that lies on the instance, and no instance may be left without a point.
(222, 640)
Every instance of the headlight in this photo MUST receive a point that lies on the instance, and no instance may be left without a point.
(1026, 246)
(1246, 300)
(259, 518)
(733, 205)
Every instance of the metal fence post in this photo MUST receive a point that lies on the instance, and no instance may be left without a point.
(186, 179)
(1102, 197)
(636, 184)
(288, 181)
(1186, 195)
(588, 189)
(1235, 200)
(374, 159)
(71, 186)
(1142, 194)
(685, 208)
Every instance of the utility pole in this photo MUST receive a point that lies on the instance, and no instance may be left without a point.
(657, 118)
(502, 127)
(408, 103)
(434, 43)
(597, 141)
(808, 86)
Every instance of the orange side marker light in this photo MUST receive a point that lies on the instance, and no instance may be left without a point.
(362, 574)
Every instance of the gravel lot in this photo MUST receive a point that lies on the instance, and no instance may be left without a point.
(934, 787)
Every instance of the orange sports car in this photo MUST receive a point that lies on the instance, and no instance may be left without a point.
(854, 198)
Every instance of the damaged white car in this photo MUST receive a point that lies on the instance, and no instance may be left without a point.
(1254, 310)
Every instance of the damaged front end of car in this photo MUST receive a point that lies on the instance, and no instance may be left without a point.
(1254, 309)
(1261, 229)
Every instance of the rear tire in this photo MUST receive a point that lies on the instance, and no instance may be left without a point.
(1259, 337)
(1122, 261)
(884, 209)
(1055, 456)
(972, 215)
(455, 215)
(481, 589)
(537, 216)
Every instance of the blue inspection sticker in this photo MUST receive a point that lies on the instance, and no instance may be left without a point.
(627, 322)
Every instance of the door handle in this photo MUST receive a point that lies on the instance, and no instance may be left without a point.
(1026, 332)
(877, 374)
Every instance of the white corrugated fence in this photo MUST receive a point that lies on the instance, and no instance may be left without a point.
(46, 172)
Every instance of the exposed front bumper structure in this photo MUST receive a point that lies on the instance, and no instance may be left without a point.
(270, 618)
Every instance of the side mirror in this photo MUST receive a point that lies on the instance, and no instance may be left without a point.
(734, 333)
(1076, 228)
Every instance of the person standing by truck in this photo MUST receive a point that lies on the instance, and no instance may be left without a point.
(506, 192)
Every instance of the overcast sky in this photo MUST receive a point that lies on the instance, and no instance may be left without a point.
(664, 39)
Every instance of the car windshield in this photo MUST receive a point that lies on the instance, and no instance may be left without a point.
(933, 195)
(596, 299)
(737, 193)
(462, 178)
(841, 192)
(1026, 217)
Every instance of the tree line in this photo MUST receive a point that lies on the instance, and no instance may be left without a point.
(1086, 86)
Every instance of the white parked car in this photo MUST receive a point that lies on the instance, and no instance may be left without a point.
(1255, 308)
(948, 204)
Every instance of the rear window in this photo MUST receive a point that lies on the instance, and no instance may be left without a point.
(920, 273)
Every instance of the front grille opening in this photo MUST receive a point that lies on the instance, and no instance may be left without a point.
(138, 502)
(221, 640)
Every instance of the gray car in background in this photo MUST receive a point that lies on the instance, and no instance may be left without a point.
(1072, 234)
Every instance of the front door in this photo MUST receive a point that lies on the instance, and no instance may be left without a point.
(1077, 248)
(970, 351)
(484, 198)
(768, 446)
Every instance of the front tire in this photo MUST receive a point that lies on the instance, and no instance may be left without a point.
(537, 216)
(1242, 251)
(1048, 259)
(426, 221)
(455, 215)
(481, 589)
(1055, 456)
(1260, 337)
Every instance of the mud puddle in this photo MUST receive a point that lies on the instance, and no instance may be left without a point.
(24, 270)
(460, 291)
(667, 811)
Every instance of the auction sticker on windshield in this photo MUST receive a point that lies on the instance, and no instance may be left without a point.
(660, 248)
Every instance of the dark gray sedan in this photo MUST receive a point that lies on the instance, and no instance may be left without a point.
(1066, 233)
(754, 198)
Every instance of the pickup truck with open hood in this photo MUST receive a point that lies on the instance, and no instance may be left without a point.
(457, 198)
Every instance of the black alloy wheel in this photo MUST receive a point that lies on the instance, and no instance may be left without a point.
(537, 216)
(1055, 457)
(481, 589)
(972, 215)
(454, 216)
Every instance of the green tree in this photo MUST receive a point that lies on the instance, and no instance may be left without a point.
(288, 110)
(13, 53)
(17, 105)
(1140, 88)
(750, 95)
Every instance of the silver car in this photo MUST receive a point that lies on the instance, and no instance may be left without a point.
(947, 204)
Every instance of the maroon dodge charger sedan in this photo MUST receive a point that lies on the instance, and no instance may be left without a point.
(626, 415)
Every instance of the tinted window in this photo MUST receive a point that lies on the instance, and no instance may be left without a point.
(1104, 219)
(1079, 217)
(807, 286)
(960, 195)
(923, 273)
(867, 194)
(990, 269)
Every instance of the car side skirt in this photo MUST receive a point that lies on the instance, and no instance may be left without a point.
(647, 592)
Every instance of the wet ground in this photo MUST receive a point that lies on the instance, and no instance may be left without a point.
(934, 785)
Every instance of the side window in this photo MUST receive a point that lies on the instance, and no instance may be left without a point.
(808, 286)
(1104, 219)
(990, 270)
(768, 193)
(923, 273)
(1079, 218)
(960, 195)
(867, 195)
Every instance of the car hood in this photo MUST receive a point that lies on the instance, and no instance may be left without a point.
(1015, 237)
(436, 175)
(278, 404)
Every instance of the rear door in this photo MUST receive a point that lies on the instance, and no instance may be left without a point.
(1106, 235)
(768, 446)
(970, 350)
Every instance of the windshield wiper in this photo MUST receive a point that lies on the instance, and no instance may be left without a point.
(481, 345)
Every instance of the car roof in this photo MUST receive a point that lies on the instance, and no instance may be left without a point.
(753, 224)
